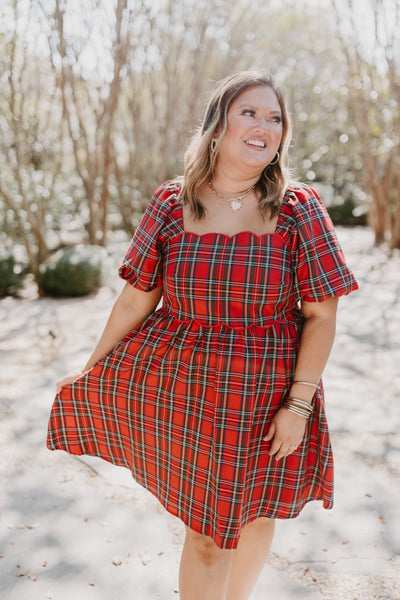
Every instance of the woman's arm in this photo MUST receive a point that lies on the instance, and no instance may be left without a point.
(131, 308)
(287, 429)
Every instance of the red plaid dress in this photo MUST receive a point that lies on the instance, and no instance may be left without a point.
(185, 399)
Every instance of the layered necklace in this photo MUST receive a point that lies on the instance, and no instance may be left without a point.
(236, 203)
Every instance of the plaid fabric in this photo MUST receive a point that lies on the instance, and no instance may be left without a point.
(185, 399)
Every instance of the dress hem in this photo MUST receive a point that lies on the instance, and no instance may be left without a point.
(230, 544)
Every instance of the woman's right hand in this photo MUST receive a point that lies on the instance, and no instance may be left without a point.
(72, 375)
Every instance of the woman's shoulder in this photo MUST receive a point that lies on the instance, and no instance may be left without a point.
(303, 203)
(167, 194)
(299, 194)
(163, 211)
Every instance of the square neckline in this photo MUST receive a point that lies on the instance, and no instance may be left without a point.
(261, 236)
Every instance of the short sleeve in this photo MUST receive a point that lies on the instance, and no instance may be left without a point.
(320, 269)
(142, 266)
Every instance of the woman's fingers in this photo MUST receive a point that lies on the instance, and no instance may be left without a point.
(275, 448)
(67, 380)
(281, 450)
(270, 432)
(62, 383)
(280, 447)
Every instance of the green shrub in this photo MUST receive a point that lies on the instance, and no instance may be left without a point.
(10, 273)
(347, 213)
(75, 271)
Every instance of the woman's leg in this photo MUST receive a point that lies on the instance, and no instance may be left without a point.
(249, 558)
(209, 573)
(204, 569)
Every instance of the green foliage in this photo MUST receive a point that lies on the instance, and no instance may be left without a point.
(347, 213)
(10, 273)
(75, 271)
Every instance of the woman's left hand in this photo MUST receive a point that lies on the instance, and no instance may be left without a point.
(286, 432)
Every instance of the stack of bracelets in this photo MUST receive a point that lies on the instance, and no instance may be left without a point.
(297, 405)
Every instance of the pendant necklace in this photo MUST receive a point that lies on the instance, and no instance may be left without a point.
(236, 203)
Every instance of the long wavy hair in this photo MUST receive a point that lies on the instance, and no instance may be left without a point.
(201, 153)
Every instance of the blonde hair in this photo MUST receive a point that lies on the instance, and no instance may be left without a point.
(201, 154)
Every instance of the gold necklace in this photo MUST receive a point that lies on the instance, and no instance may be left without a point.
(236, 203)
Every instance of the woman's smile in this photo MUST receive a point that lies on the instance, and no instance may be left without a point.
(256, 144)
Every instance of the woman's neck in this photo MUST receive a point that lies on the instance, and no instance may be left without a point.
(229, 183)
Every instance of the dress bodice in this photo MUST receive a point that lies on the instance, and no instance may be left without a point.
(242, 280)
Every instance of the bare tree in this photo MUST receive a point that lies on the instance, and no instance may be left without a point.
(31, 155)
(89, 108)
(374, 106)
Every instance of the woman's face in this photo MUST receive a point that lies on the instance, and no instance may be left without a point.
(254, 132)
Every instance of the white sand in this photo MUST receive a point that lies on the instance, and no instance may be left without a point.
(77, 529)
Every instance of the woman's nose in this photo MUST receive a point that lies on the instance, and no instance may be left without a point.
(263, 124)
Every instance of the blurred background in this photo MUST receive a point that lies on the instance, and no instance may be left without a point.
(98, 99)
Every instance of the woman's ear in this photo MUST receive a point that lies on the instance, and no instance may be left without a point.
(217, 133)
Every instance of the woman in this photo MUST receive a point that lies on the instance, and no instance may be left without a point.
(214, 401)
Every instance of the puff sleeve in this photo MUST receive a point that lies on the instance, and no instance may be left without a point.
(142, 266)
(320, 267)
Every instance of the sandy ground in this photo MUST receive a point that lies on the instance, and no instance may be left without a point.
(77, 528)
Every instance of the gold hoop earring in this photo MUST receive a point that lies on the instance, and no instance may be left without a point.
(213, 145)
(275, 161)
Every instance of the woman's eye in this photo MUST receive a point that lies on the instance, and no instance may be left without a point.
(248, 111)
(277, 119)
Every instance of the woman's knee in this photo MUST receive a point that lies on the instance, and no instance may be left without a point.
(206, 549)
(262, 527)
